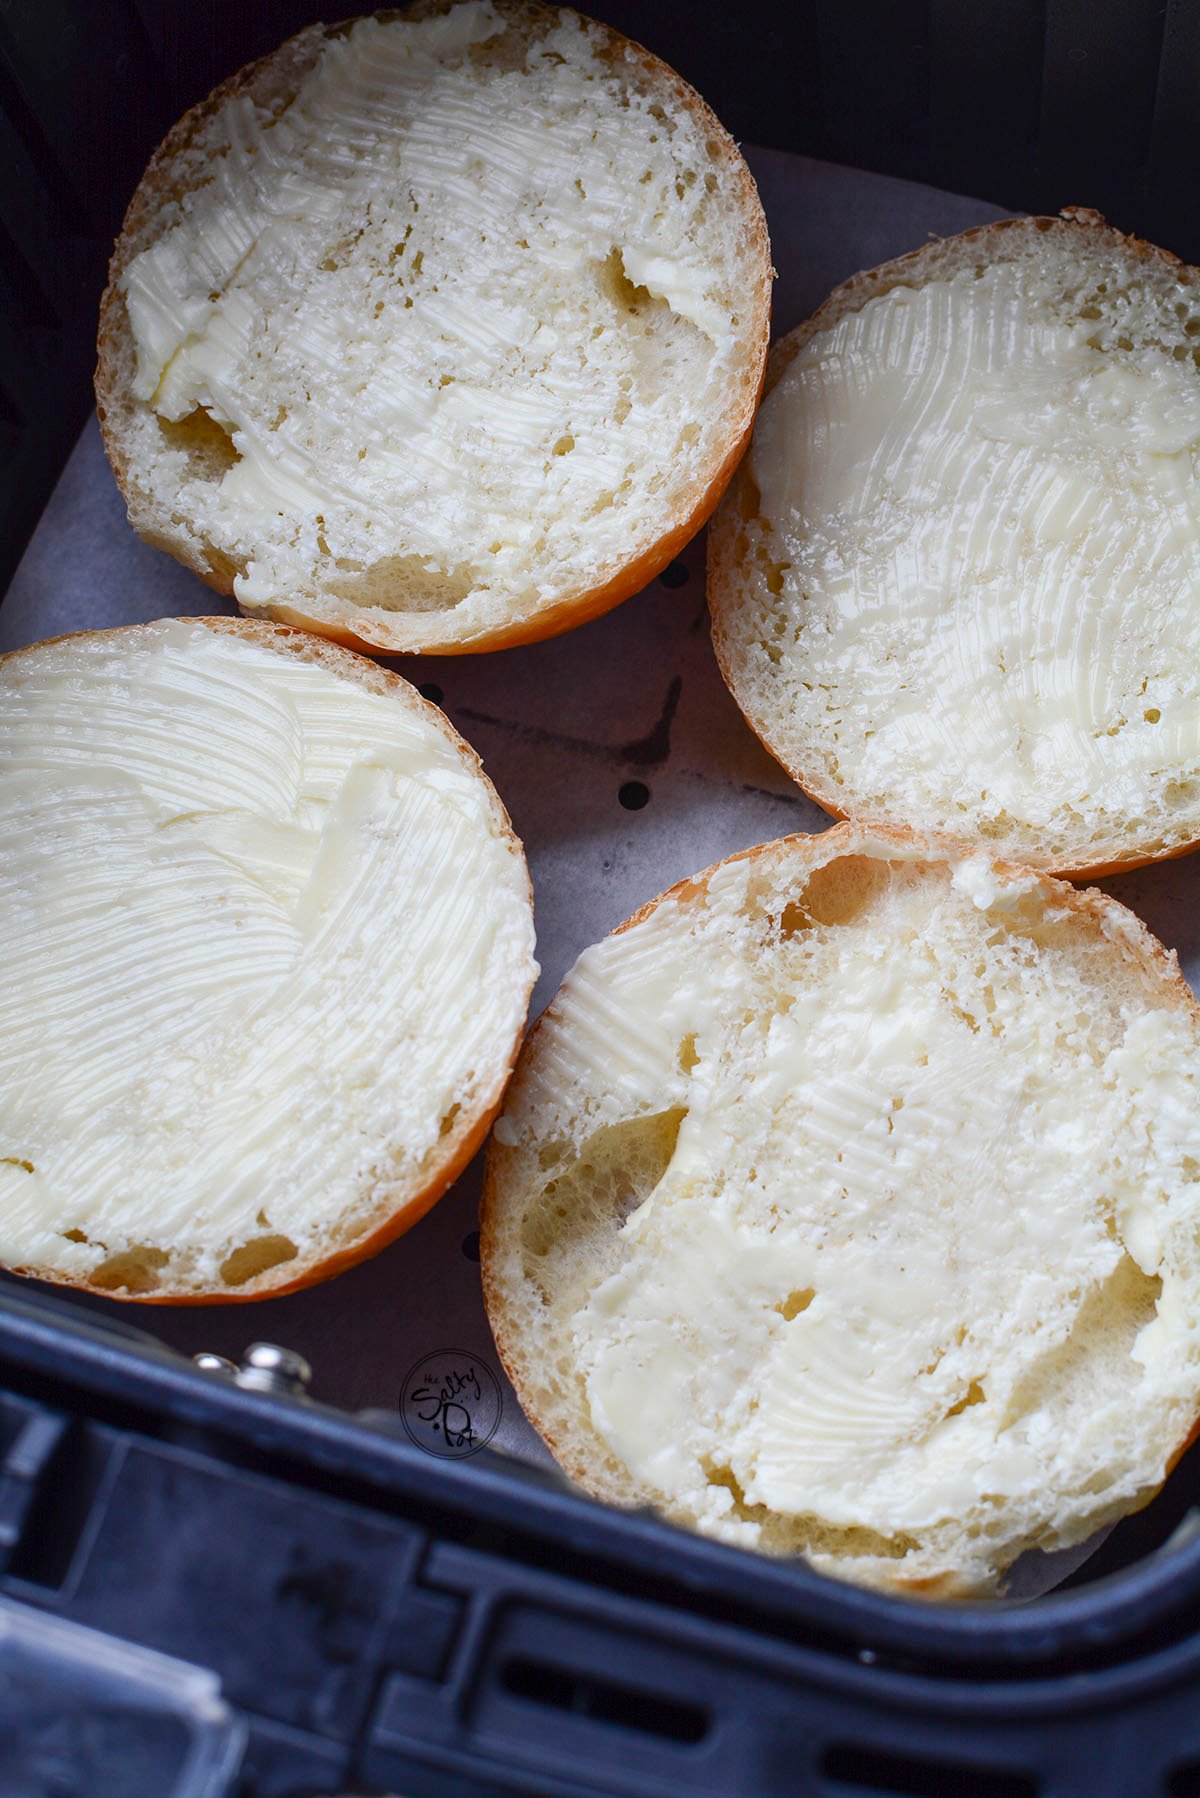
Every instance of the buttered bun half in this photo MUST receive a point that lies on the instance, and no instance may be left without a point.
(268, 947)
(437, 330)
(956, 584)
(845, 1203)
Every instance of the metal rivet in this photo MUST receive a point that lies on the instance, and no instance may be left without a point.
(268, 1368)
(208, 1363)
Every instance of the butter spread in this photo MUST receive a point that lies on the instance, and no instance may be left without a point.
(917, 1210)
(262, 936)
(441, 304)
(985, 532)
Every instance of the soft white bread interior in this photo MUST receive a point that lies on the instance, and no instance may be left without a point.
(268, 947)
(438, 330)
(845, 1203)
(957, 582)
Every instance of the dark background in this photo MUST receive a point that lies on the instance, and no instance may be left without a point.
(1035, 104)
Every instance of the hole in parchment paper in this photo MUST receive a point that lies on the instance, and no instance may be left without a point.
(470, 1245)
(675, 574)
(634, 794)
(429, 689)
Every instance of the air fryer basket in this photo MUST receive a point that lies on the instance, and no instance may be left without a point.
(379, 1618)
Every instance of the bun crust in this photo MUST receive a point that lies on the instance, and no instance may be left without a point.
(639, 1213)
(402, 617)
(1078, 236)
(143, 1271)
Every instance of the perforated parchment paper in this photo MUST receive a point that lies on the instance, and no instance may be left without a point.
(624, 765)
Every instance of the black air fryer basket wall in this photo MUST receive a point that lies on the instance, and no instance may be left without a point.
(377, 1619)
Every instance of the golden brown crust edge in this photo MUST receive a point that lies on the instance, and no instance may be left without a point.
(368, 628)
(471, 1127)
(850, 297)
(1162, 977)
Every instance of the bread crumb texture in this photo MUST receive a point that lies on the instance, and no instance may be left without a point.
(958, 585)
(267, 952)
(845, 1204)
(434, 322)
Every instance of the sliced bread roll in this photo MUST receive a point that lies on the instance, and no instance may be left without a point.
(437, 330)
(845, 1204)
(268, 947)
(957, 584)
